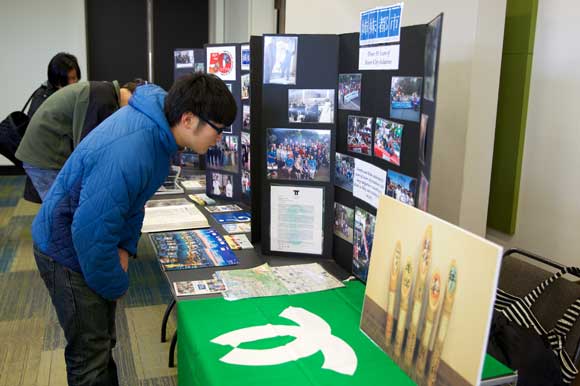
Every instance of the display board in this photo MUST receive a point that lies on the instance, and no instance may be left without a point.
(294, 117)
(384, 137)
(187, 61)
(421, 305)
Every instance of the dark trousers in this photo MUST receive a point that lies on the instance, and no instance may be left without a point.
(88, 322)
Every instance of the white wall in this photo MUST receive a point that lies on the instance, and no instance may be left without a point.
(234, 21)
(548, 220)
(31, 33)
(467, 96)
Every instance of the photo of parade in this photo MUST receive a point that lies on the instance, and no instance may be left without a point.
(245, 151)
(360, 134)
(344, 165)
(297, 154)
(245, 86)
(401, 187)
(183, 59)
(224, 155)
(343, 222)
(388, 136)
(349, 91)
(406, 98)
(280, 59)
(222, 185)
(364, 231)
(311, 106)
(246, 117)
(246, 183)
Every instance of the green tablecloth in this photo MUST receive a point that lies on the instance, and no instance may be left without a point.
(201, 321)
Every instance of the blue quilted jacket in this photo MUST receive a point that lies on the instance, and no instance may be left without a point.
(96, 203)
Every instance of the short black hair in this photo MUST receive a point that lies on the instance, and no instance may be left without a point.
(59, 67)
(132, 85)
(204, 95)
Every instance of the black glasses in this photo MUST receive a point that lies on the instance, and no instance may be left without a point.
(218, 129)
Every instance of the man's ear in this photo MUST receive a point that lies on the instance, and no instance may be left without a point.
(188, 119)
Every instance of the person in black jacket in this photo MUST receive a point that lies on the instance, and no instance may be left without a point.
(63, 69)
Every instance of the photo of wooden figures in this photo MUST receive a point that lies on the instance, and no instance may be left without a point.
(343, 222)
(311, 106)
(401, 187)
(349, 91)
(344, 165)
(406, 98)
(429, 295)
(298, 154)
(224, 155)
(388, 137)
(360, 134)
(280, 59)
(364, 232)
(246, 117)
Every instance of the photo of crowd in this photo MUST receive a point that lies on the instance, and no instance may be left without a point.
(364, 231)
(406, 98)
(401, 187)
(343, 222)
(297, 154)
(224, 155)
(280, 59)
(222, 185)
(344, 165)
(246, 117)
(245, 151)
(388, 136)
(349, 91)
(246, 183)
(183, 59)
(245, 86)
(360, 134)
(311, 106)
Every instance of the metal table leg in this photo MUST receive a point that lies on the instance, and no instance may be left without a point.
(165, 319)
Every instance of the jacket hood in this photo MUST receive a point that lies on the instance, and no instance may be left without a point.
(149, 100)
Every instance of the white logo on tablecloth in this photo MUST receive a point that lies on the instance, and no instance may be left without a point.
(312, 334)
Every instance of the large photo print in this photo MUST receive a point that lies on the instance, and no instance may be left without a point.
(280, 54)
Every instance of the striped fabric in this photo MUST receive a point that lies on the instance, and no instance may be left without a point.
(518, 310)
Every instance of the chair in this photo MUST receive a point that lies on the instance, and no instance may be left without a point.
(519, 276)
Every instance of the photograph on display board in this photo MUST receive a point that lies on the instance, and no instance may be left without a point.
(423, 193)
(401, 187)
(421, 306)
(224, 155)
(423, 138)
(245, 57)
(246, 117)
(222, 185)
(186, 159)
(298, 154)
(431, 50)
(246, 183)
(183, 58)
(360, 134)
(406, 98)
(343, 222)
(364, 232)
(199, 67)
(388, 137)
(344, 171)
(280, 54)
(311, 106)
(246, 151)
(245, 86)
(349, 91)
(221, 61)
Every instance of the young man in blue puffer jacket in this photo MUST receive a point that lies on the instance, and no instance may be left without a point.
(91, 218)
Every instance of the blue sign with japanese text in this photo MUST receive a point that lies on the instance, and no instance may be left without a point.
(381, 25)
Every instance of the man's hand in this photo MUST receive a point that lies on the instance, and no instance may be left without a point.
(123, 258)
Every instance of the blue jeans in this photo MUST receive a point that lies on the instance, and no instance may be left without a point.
(42, 179)
(88, 322)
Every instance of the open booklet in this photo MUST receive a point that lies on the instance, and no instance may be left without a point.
(172, 214)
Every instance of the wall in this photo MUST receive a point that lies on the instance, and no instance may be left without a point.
(467, 96)
(31, 33)
(234, 21)
(549, 210)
